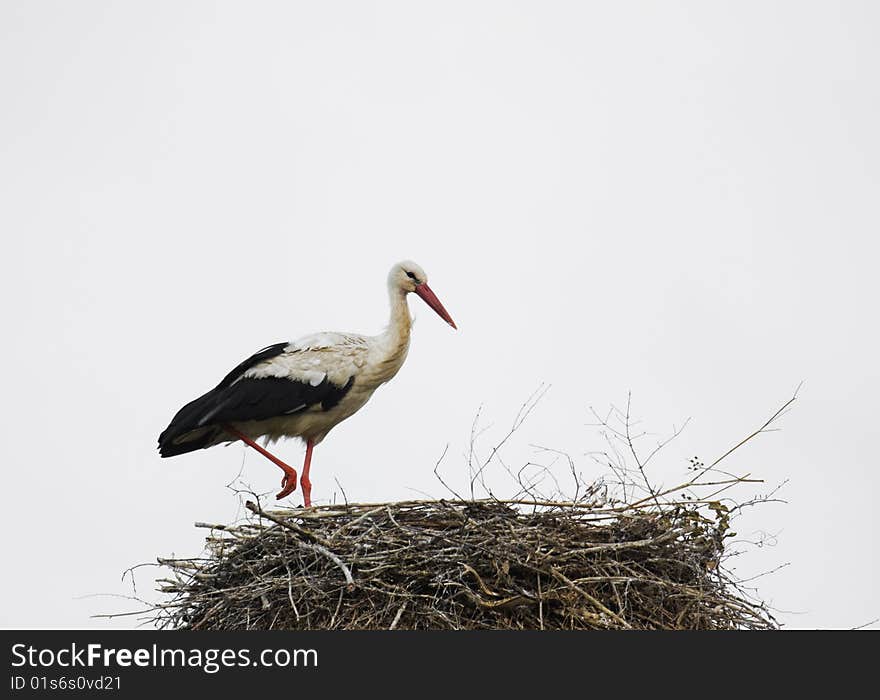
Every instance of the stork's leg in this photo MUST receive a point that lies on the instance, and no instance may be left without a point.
(304, 481)
(288, 481)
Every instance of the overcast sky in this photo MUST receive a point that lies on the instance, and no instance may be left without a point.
(674, 199)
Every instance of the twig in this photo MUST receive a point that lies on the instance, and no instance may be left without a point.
(315, 544)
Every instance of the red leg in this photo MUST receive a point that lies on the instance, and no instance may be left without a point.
(288, 481)
(304, 481)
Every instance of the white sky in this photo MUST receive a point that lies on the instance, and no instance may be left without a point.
(678, 199)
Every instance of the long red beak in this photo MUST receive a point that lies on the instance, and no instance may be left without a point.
(424, 291)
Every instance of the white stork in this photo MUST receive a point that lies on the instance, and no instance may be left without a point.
(304, 388)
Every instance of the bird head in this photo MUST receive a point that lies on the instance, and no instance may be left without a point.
(408, 277)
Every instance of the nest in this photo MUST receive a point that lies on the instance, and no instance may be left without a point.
(478, 564)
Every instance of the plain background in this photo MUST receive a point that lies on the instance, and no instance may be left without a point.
(677, 199)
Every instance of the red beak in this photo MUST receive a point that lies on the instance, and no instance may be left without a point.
(424, 291)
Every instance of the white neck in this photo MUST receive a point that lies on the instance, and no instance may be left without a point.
(392, 346)
(395, 339)
(400, 322)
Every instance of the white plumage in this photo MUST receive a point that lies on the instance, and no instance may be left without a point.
(304, 388)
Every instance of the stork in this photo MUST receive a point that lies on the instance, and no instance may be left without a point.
(304, 388)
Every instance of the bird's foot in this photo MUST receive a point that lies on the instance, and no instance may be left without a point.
(288, 483)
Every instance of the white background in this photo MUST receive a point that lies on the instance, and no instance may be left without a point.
(678, 199)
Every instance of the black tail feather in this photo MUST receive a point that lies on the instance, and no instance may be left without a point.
(171, 449)
(173, 440)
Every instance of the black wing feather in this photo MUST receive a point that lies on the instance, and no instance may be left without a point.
(266, 353)
(199, 422)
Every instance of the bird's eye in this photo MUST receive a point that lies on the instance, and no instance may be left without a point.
(411, 276)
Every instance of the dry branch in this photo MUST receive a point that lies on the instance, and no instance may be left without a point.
(480, 564)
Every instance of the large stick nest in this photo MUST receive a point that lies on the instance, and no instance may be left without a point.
(481, 564)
